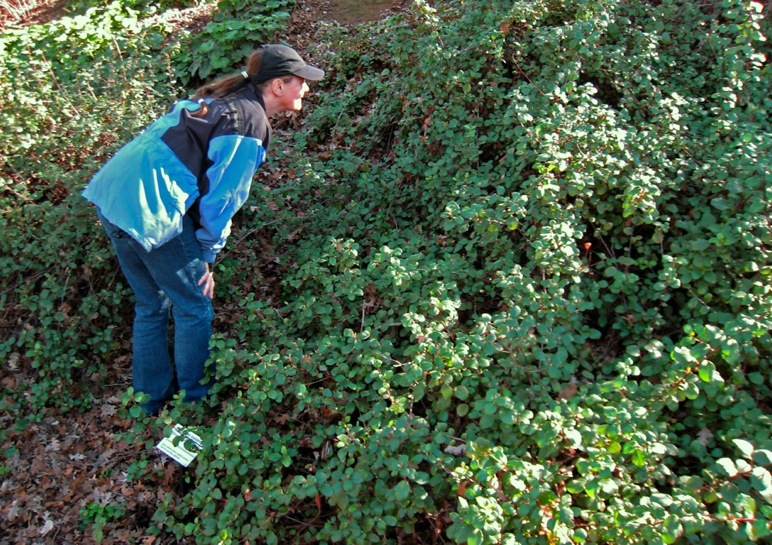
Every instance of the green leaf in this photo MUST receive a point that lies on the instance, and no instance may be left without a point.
(638, 458)
(574, 438)
(402, 491)
(762, 457)
(759, 529)
(707, 372)
(609, 487)
(547, 497)
(575, 486)
(746, 448)
(728, 466)
(691, 391)
(748, 506)
(461, 392)
(761, 481)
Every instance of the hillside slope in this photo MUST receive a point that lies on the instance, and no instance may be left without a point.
(506, 282)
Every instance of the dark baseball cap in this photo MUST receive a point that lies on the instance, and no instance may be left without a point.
(280, 60)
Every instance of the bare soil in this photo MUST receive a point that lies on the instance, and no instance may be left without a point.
(345, 12)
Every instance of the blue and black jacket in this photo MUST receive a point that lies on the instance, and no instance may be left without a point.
(182, 164)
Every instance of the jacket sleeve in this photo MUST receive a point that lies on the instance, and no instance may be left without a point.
(234, 160)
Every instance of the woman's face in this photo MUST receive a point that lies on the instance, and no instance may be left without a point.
(292, 95)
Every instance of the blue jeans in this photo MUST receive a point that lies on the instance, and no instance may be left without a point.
(165, 279)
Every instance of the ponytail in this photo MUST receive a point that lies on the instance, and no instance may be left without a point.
(203, 109)
(228, 84)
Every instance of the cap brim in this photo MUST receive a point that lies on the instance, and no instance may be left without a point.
(310, 73)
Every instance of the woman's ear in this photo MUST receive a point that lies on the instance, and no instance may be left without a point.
(277, 86)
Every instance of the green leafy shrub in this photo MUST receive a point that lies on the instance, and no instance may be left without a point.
(75, 89)
(527, 296)
(141, 7)
(98, 515)
(237, 28)
(524, 289)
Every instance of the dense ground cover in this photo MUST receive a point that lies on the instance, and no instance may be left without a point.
(509, 285)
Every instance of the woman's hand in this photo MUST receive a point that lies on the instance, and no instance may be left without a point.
(207, 281)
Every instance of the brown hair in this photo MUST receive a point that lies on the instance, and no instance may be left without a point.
(228, 84)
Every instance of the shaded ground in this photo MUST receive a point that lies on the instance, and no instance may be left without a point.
(27, 12)
(65, 471)
(358, 11)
